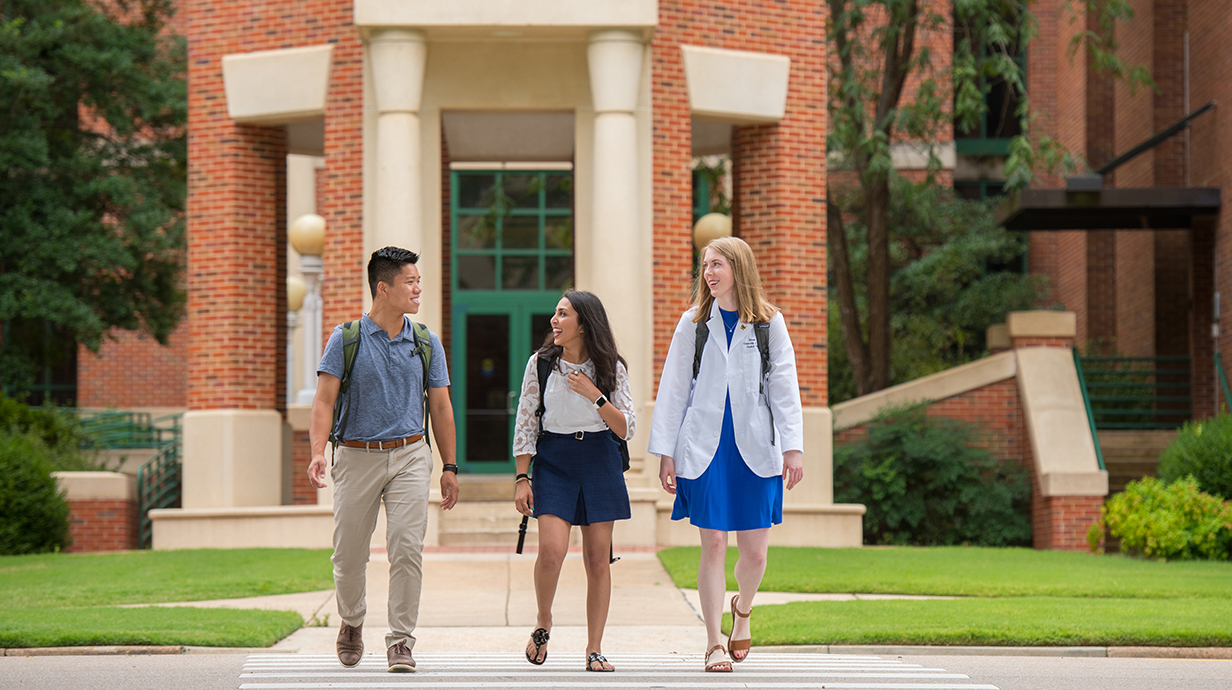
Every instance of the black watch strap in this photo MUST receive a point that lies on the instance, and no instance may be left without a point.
(450, 467)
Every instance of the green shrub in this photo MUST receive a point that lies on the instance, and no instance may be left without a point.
(1166, 521)
(926, 481)
(59, 431)
(33, 512)
(1202, 450)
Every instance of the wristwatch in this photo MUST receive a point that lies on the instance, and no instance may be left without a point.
(450, 467)
(600, 401)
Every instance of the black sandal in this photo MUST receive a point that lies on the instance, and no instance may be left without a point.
(540, 637)
(598, 658)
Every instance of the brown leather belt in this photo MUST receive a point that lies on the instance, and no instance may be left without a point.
(383, 445)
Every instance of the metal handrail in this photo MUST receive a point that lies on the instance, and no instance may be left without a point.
(159, 485)
(1086, 400)
(1137, 392)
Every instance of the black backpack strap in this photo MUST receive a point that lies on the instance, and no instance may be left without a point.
(545, 366)
(699, 346)
(342, 405)
(423, 347)
(762, 332)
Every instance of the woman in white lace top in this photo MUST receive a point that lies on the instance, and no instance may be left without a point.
(587, 411)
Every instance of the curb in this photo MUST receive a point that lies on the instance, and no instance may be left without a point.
(109, 650)
(1087, 652)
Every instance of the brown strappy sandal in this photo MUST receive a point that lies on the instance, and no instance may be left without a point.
(734, 646)
(720, 666)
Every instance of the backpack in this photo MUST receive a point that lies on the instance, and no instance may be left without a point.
(545, 366)
(761, 331)
(350, 348)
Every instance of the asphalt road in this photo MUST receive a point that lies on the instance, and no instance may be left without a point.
(478, 670)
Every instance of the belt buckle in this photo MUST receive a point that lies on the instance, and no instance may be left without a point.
(579, 435)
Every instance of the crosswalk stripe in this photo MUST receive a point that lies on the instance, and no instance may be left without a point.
(510, 671)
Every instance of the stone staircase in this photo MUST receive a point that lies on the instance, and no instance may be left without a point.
(1131, 455)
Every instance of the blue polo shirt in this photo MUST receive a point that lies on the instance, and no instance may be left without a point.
(386, 381)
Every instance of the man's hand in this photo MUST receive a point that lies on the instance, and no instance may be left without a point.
(449, 490)
(316, 471)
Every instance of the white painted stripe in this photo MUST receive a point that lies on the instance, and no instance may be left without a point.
(599, 684)
(623, 674)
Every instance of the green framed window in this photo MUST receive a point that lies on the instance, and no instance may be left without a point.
(513, 230)
(999, 123)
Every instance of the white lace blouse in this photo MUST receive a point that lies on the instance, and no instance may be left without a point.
(566, 410)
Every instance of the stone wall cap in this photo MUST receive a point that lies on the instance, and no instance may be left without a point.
(997, 337)
(1042, 324)
(239, 513)
(84, 486)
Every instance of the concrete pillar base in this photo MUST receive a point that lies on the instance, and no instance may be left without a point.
(232, 458)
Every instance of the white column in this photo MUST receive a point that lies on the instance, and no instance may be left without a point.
(398, 57)
(616, 271)
(311, 268)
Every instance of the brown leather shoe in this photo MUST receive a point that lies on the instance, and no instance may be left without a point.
(350, 645)
(400, 660)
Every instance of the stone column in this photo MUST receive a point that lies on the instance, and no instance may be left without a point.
(398, 57)
(615, 256)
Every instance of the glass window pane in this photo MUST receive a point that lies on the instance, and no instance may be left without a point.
(520, 232)
(487, 387)
(540, 330)
(522, 190)
(476, 191)
(558, 232)
(559, 270)
(560, 191)
(476, 273)
(520, 273)
(476, 232)
(969, 191)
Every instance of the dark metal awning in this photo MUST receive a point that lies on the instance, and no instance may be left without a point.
(1150, 208)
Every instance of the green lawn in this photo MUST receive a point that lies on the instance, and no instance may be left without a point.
(970, 571)
(73, 599)
(1010, 597)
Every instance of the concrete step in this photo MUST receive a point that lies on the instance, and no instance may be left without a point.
(474, 488)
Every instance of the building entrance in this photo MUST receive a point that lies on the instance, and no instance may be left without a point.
(511, 250)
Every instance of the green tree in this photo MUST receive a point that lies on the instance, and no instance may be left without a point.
(953, 274)
(875, 47)
(94, 152)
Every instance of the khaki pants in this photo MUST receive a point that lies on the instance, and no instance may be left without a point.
(362, 479)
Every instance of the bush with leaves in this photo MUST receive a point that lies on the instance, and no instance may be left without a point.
(1202, 450)
(33, 511)
(927, 481)
(1166, 521)
(58, 431)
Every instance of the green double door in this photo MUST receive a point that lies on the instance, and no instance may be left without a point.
(511, 258)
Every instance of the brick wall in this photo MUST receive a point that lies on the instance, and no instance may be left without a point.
(302, 493)
(236, 200)
(102, 525)
(779, 170)
(133, 370)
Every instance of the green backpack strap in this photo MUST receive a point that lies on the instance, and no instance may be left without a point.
(350, 348)
(423, 345)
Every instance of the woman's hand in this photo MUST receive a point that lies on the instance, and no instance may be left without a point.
(793, 467)
(582, 385)
(667, 474)
(524, 499)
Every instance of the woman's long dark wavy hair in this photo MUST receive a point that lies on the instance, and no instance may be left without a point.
(596, 334)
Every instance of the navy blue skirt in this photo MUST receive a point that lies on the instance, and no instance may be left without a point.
(579, 480)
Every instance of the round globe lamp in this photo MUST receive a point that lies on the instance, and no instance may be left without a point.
(709, 227)
(295, 293)
(307, 234)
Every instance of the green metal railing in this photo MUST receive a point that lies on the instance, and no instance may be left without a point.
(1137, 392)
(159, 485)
(1223, 381)
(124, 429)
(1086, 399)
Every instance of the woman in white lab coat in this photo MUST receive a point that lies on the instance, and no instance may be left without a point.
(728, 439)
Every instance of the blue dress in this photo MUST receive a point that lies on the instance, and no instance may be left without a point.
(728, 496)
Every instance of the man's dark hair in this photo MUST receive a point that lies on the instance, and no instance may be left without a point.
(386, 264)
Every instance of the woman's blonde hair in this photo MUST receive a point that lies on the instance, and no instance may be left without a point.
(750, 294)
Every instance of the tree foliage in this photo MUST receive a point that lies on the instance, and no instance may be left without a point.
(876, 46)
(952, 276)
(94, 152)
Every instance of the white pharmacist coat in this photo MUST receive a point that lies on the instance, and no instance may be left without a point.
(688, 417)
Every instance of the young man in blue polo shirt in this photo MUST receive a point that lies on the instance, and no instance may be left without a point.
(383, 455)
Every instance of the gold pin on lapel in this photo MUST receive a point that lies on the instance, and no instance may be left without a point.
(743, 326)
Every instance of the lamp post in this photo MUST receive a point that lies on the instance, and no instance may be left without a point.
(295, 301)
(307, 235)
